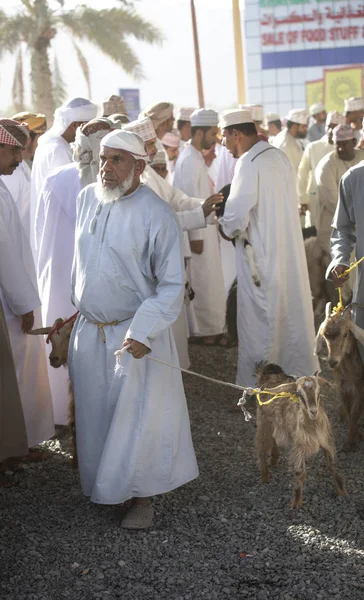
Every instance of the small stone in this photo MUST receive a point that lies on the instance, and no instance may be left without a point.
(121, 563)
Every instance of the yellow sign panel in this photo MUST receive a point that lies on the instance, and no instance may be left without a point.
(340, 84)
(314, 92)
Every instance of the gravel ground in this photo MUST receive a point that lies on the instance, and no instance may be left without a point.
(224, 536)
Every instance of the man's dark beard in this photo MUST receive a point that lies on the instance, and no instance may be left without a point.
(206, 145)
(301, 136)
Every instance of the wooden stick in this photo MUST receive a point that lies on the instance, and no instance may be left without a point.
(240, 79)
(201, 100)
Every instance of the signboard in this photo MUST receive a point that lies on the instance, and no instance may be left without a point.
(132, 101)
(290, 42)
(314, 92)
(340, 84)
(306, 34)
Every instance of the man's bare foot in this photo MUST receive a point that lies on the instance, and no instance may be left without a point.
(140, 515)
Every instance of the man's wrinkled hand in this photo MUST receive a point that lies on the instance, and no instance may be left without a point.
(27, 322)
(137, 349)
(196, 246)
(336, 275)
(211, 204)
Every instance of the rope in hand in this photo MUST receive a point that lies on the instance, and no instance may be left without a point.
(340, 305)
(247, 391)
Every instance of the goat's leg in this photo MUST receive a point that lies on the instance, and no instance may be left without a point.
(299, 464)
(356, 409)
(339, 484)
(263, 443)
(274, 457)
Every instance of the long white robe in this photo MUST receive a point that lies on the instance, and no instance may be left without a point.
(328, 174)
(275, 321)
(191, 176)
(51, 153)
(133, 431)
(19, 296)
(225, 174)
(306, 182)
(54, 266)
(18, 185)
(190, 216)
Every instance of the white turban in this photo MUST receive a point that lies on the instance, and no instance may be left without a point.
(171, 139)
(204, 117)
(229, 118)
(159, 113)
(335, 118)
(72, 111)
(353, 104)
(315, 109)
(87, 150)
(298, 116)
(343, 133)
(256, 110)
(143, 127)
(127, 141)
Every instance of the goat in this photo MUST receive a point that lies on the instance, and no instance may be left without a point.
(341, 335)
(59, 335)
(303, 425)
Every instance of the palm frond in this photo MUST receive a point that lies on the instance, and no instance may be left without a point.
(107, 30)
(59, 86)
(28, 5)
(18, 83)
(13, 31)
(84, 66)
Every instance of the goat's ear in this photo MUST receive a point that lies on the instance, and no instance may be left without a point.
(319, 342)
(357, 332)
(40, 331)
(328, 310)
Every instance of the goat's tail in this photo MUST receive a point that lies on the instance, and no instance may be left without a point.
(264, 368)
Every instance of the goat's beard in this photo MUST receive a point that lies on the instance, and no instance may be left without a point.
(107, 195)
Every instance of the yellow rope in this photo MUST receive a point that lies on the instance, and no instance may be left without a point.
(101, 328)
(258, 393)
(340, 306)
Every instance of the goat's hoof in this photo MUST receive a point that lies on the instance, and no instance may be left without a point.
(274, 462)
(296, 504)
(266, 478)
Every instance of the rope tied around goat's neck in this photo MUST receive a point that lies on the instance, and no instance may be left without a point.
(247, 391)
(59, 326)
(340, 305)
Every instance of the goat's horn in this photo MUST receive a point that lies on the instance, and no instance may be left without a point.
(328, 310)
(40, 331)
(349, 307)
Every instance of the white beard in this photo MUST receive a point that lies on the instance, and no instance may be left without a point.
(107, 195)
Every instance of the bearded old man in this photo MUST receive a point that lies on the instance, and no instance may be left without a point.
(192, 177)
(19, 296)
(191, 213)
(54, 150)
(275, 320)
(133, 431)
(56, 242)
(183, 119)
(313, 153)
(18, 183)
(317, 129)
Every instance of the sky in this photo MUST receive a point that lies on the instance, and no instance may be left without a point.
(169, 69)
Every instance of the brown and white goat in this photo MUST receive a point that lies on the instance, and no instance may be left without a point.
(303, 426)
(59, 336)
(341, 335)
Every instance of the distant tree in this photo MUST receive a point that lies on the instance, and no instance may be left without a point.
(38, 23)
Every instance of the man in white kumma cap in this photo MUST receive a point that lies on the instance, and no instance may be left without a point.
(275, 319)
(54, 150)
(314, 152)
(354, 112)
(133, 431)
(206, 276)
(317, 129)
(328, 174)
(289, 140)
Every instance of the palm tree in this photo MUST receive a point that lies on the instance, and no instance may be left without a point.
(39, 21)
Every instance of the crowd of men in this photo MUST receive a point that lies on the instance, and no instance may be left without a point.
(126, 223)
